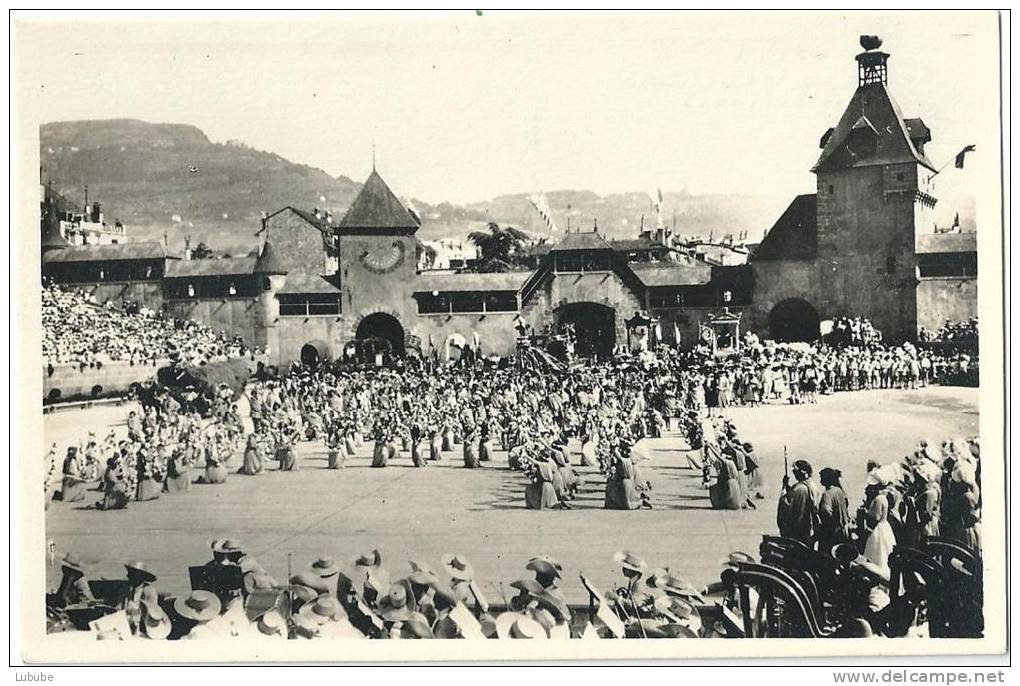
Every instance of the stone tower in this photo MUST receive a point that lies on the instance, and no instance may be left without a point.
(874, 195)
(271, 277)
(378, 264)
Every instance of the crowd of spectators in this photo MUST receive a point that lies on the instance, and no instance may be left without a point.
(78, 331)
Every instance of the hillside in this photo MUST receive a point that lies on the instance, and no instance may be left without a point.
(171, 179)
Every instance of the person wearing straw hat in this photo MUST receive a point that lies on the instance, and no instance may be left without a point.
(74, 586)
(632, 596)
(415, 626)
(155, 623)
(548, 572)
(461, 574)
(139, 580)
(195, 612)
(395, 605)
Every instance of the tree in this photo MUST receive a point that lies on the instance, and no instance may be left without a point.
(498, 247)
(201, 252)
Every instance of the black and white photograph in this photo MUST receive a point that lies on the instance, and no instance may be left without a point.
(476, 327)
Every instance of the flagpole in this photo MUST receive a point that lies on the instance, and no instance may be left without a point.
(966, 149)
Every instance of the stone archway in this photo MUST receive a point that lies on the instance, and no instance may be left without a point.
(793, 320)
(314, 353)
(594, 327)
(382, 331)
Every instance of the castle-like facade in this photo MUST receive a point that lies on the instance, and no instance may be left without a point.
(862, 245)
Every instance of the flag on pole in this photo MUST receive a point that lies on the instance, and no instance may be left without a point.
(540, 203)
(963, 154)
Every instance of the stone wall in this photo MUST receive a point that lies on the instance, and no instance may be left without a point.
(775, 281)
(952, 298)
(234, 316)
(114, 377)
(146, 293)
(298, 244)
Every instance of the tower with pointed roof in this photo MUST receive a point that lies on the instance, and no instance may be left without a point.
(849, 249)
(378, 263)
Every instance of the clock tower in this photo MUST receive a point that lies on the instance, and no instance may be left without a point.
(378, 264)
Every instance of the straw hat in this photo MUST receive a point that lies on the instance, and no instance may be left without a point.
(325, 567)
(629, 560)
(673, 584)
(529, 586)
(72, 562)
(679, 612)
(155, 623)
(422, 574)
(200, 606)
(543, 564)
(372, 560)
(324, 609)
(393, 606)
(272, 623)
(141, 569)
(227, 546)
(458, 567)
(416, 626)
(514, 625)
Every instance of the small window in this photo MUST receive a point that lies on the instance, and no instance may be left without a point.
(832, 189)
(890, 264)
(899, 177)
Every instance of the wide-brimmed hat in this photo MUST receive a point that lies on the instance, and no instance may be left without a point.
(673, 630)
(679, 611)
(72, 562)
(516, 625)
(227, 546)
(200, 606)
(736, 559)
(671, 583)
(458, 567)
(543, 564)
(311, 580)
(272, 623)
(553, 605)
(416, 626)
(141, 569)
(155, 622)
(324, 609)
(325, 567)
(844, 553)
(629, 560)
(529, 586)
(422, 574)
(393, 606)
(371, 560)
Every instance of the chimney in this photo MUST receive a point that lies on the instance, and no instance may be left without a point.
(329, 217)
(316, 213)
(871, 64)
(187, 247)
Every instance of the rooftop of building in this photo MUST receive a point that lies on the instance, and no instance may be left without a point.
(794, 236)
(142, 250)
(377, 207)
(929, 243)
(471, 281)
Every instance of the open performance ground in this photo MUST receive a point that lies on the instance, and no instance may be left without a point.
(421, 514)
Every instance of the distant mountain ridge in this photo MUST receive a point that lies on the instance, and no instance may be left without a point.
(170, 179)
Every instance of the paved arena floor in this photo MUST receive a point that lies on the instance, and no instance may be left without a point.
(423, 513)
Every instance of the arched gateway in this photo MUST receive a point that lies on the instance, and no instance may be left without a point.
(383, 333)
(314, 353)
(793, 320)
(594, 327)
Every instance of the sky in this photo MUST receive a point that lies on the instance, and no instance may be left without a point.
(462, 107)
